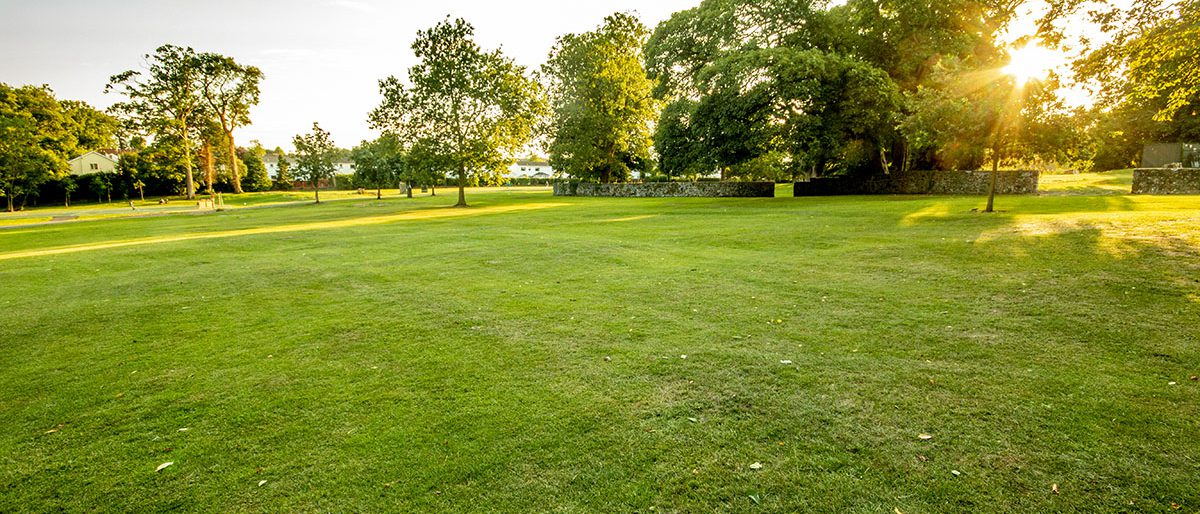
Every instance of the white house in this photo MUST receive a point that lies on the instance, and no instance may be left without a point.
(271, 160)
(524, 168)
(93, 162)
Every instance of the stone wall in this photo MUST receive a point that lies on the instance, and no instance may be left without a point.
(1021, 182)
(668, 189)
(1166, 181)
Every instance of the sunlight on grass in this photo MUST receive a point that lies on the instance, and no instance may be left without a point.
(1118, 234)
(629, 218)
(937, 210)
(425, 214)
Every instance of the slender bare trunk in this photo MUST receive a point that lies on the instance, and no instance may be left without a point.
(408, 187)
(233, 158)
(462, 187)
(10, 202)
(317, 191)
(210, 169)
(992, 183)
(379, 194)
(191, 183)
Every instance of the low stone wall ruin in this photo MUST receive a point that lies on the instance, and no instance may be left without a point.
(668, 189)
(1022, 182)
(1166, 181)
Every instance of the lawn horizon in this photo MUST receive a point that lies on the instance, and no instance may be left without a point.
(855, 354)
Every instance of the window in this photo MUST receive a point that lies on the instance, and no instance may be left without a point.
(95, 166)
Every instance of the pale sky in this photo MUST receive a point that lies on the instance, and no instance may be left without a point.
(321, 58)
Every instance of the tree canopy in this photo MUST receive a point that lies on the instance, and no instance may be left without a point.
(468, 107)
(315, 154)
(602, 107)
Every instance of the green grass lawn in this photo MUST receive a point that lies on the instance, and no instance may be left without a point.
(528, 354)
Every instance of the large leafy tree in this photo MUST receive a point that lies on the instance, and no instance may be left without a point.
(229, 90)
(165, 99)
(315, 155)
(34, 141)
(470, 108)
(767, 84)
(93, 129)
(602, 105)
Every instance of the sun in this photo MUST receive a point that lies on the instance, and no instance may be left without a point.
(1031, 62)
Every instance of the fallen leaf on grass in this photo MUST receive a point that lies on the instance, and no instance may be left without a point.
(184, 429)
(924, 437)
(955, 472)
(1054, 488)
(693, 420)
(756, 466)
(785, 362)
(163, 466)
(897, 510)
(261, 482)
(754, 498)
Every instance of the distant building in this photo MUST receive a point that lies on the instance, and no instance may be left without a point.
(94, 162)
(525, 168)
(1161, 155)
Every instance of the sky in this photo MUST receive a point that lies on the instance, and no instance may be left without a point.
(322, 59)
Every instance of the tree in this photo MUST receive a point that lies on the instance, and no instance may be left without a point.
(229, 90)
(283, 175)
(165, 99)
(315, 154)
(257, 178)
(379, 163)
(101, 184)
(601, 99)
(68, 186)
(93, 130)
(34, 141)
(470, 107)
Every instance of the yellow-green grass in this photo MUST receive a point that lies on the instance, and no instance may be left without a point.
(90, 211)
(527, 354)
(1116, 182)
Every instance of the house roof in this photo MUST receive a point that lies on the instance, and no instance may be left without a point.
(527, 162)
(110, 159)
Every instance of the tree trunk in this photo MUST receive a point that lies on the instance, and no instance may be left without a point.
(992, 183)
(408, 187)
(10, 202)
(67, 203)
(462, 188)
(191, 183)
(433, 189)
(317, 191)
(142, 193)
(210, 169)
(233, 169)
(379, 194)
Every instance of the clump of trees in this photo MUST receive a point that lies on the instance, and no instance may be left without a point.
(38, 135)
(192, 102)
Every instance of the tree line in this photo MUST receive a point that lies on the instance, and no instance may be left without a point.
(743, 89)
